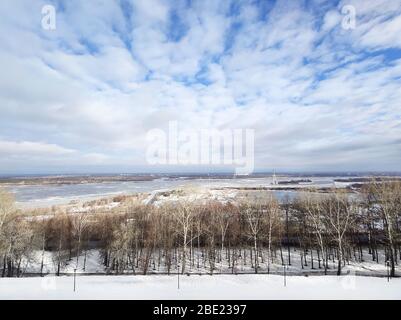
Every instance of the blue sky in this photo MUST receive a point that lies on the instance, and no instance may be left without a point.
(82, 97)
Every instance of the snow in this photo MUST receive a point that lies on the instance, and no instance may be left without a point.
(201, 287)
(94, 264)
(81, 208)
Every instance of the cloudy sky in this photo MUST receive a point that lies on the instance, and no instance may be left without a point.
(81, 98)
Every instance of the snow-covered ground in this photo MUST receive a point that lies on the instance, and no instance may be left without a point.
(352, 285)
(94, 264)
(201, 287)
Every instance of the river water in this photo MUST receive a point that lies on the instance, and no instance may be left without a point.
(47, 195)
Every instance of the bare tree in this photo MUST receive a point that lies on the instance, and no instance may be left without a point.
(272, 221)
(338, 216)
(15, 244)
(224, 216)
(387, 197)
(254, 217)
(79, 225)
(312, 207)
(287, 207)
(59, 229)
(6, 206)
(184, 215)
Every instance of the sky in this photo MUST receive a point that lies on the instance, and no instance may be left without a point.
(82, 98)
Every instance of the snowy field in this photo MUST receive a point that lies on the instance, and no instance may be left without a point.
(201, 287)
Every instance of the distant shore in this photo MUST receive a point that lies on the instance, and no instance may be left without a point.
(46, 191)
(60, 179)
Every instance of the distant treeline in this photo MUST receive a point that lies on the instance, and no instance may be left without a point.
(182, 234)
(70, 180)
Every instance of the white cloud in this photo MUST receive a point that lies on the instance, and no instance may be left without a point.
(32, 148)
(317, 95)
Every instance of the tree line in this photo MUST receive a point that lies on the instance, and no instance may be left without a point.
(188, 236)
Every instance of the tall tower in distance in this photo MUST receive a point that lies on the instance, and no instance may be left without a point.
(274, 178)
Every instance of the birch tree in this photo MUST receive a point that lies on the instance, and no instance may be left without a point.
(387, 197)
(79, 224)
(253, 216)
(338, 216)
(184, 215)
(313, 208)
(272, 221)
